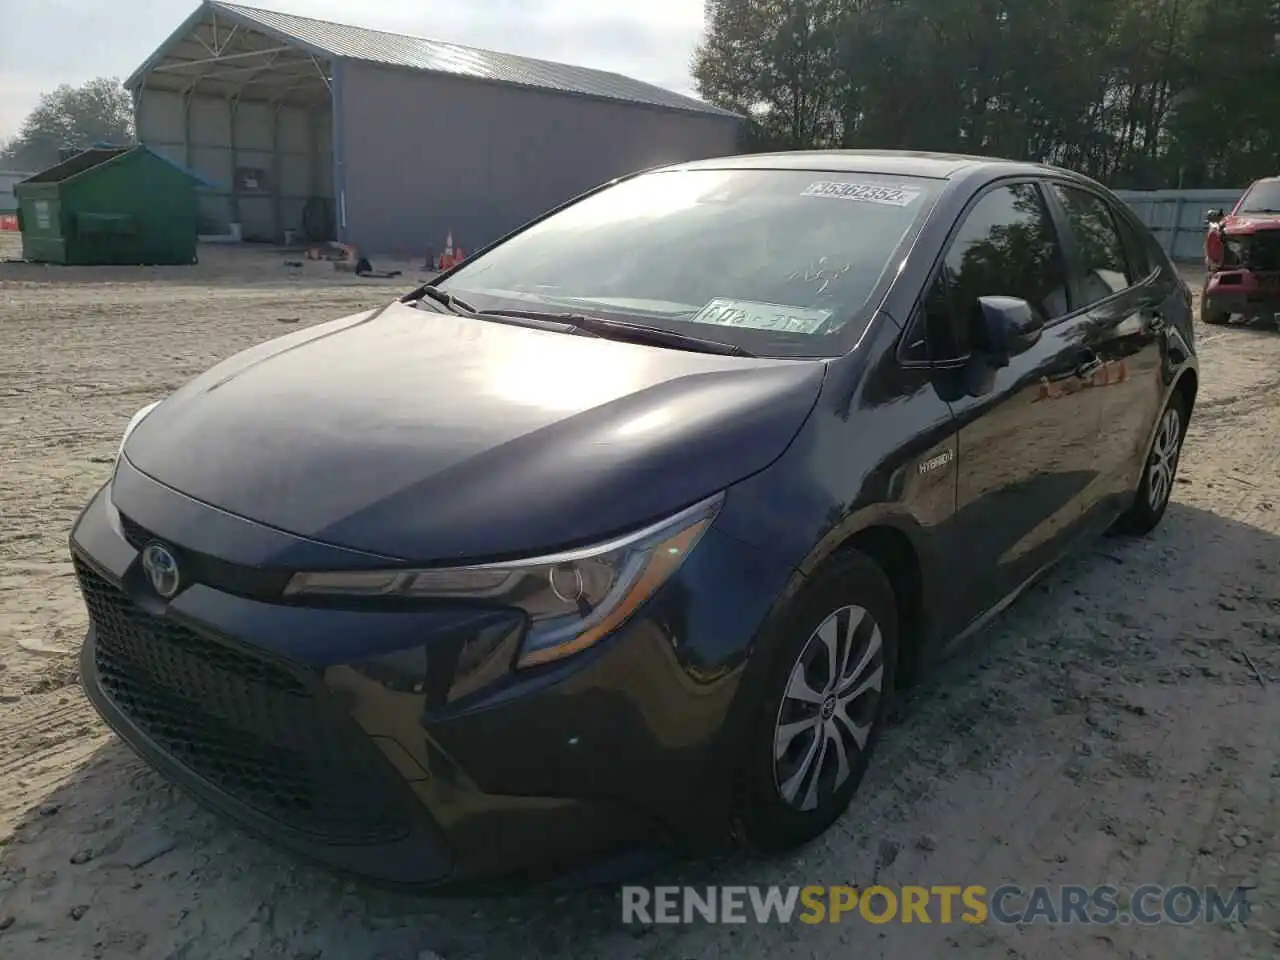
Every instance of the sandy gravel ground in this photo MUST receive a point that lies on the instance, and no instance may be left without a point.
(1120, 725)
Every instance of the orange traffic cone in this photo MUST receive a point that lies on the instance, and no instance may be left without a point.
(447, 259)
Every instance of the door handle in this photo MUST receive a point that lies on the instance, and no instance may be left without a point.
(1090, 363)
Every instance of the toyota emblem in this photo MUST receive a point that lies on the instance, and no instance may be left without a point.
(161, 569)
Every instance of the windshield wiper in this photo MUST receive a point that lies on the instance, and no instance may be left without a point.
(624, 330)
(449, 301)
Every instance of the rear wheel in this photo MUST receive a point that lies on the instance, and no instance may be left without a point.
(831, 679)
(1159, 474)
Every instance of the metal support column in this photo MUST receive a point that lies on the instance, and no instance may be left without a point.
(233, 105)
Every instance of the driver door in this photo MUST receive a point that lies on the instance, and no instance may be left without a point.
(1026, 438)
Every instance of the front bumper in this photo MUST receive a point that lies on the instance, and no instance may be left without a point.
(1243, 291)
(257, 708)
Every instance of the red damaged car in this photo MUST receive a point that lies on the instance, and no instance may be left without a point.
(1242, 257)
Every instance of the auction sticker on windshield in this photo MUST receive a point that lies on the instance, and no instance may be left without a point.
(753, 315)
(893, 196)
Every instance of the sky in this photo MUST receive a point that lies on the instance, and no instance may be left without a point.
(47, 42)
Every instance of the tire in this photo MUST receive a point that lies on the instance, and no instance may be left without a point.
(1159, 472)
(779, 807)
(1215, 318)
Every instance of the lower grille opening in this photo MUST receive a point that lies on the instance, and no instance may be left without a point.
(242, 722)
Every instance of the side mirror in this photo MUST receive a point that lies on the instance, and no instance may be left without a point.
(1214, 216)
(1007, 326)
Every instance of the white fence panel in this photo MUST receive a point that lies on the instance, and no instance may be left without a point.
(1176, 217)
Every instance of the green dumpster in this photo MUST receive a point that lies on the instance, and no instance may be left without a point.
(120, 205)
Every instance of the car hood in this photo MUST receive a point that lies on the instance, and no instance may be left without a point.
(429, 437)
(1247, 223)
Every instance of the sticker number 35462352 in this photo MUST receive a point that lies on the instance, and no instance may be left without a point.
(866, 192)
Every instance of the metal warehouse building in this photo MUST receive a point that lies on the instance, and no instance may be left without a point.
(8, 178)
(394, 140)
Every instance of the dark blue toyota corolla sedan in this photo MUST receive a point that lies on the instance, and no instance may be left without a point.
(618, 537)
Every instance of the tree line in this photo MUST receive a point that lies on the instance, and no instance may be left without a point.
(69, 119)
(1140, 94)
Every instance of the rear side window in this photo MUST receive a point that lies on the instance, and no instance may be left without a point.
(1137, 247)
(1106, 267)
(1006, 246)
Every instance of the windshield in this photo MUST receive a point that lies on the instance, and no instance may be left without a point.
(778, 262)
(1262, 198)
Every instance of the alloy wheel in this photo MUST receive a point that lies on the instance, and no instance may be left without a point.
(829, 706)
(1163, 462)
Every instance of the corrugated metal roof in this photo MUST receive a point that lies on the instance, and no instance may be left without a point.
(338, 40)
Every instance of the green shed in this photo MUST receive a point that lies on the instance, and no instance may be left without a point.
(120, 205)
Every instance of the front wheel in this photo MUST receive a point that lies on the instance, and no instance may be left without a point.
(1159, 473)
(1210, 315)
(1215, 318)
(831, 679)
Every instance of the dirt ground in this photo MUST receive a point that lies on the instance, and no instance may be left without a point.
(1119, 725)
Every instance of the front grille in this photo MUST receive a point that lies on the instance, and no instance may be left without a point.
(241, 722)
(1264, 251)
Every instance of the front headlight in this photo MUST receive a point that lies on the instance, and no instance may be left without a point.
(136, 419)
(572, 599)
(1235, 249)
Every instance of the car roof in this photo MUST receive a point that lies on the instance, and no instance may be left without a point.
(907, 163)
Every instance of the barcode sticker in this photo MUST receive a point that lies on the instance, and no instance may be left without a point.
(727, 312)
(893, 196)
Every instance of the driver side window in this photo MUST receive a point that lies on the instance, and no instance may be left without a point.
(1006, 246)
